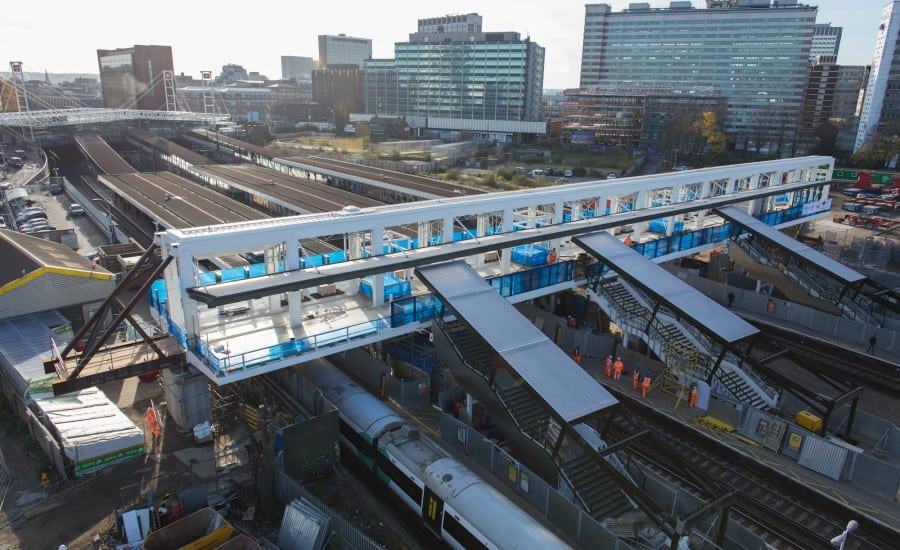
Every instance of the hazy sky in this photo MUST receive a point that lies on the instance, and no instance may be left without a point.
(63, 36)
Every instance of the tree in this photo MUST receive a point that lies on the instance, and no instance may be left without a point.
(878, 151)
(707, 126)
(826, 139)
(678, 135)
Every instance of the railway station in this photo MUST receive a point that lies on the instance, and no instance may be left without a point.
(261, 267)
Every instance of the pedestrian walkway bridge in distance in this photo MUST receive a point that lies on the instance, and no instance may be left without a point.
(280, 330)
(555, 403)
(698, 339)
(856, 296)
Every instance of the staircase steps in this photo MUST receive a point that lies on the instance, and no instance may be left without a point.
(597, 490)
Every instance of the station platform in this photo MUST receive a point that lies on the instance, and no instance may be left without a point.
(876, 507)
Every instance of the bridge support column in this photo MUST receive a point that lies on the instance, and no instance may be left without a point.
(506, 256)
(377, 280)
(293, 251)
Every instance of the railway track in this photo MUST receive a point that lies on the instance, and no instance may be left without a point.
(780, 510)
(833, 360)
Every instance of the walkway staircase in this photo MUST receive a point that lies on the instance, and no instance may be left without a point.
(672, 342)
(856, 306)
(594, 488)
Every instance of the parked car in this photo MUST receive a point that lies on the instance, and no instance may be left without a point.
(680, 168)
(76, 209)
(56, 188)
(611, 176)
(38, 228)
(32, 224)
(31, 216)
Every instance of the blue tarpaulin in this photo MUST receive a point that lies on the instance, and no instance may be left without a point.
(530, 254)
(393, 287)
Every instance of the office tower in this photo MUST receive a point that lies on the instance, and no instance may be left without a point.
(343, 50)
(881, 105)
(470, 22)
(755, 53)
(457, 77)
(133, 77)
(826, 41)
(296, 68)
(339, 87)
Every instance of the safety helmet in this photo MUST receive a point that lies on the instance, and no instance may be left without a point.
(610, 356)
(618, 357)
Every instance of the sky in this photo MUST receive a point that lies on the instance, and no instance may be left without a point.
(62, 36)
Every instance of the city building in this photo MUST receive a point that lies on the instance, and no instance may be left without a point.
(754, 52)
(297, 68)
(630, 115)
(849, 93)
(881, 105)
(134, 77)
(231, 73)
(818, 102)
(343, 50)
(487, 85)
(470, 22)
(826, 41)
(339, 87)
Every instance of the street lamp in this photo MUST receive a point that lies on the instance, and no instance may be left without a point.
(841, 540)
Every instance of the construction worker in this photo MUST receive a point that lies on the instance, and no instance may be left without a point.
(693, 400)
(577, 355)
(645, 385)
(618, 366)
(636, 379)
(609, 364)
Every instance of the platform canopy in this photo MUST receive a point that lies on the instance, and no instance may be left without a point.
(556, 379)
(822, 262)
(666, 288)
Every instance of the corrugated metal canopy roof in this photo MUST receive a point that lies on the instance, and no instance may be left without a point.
(550, 372)
(836, 269)
(667, 288)
(25, 343)
(23, 254)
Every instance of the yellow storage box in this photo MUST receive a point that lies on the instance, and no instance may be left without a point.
(809, 421)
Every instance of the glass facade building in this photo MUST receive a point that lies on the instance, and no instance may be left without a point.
(881, 105)
(473, 76)
(756, 57)
(132, 77)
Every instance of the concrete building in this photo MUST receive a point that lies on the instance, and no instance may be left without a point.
(343, 50)
(470, 22)
(849, 93)
(134, 77)
(881, 106)
(826, 40)
(486, 83)
(340, 88)
(629, 116)
(755, 52)
(232, 73)
(294, 67)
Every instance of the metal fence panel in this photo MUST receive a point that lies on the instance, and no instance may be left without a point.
(593, 535)
(288, 489)
(725, 410)
(876, 475)
(823, 457)
(762, 428)
(563, 513)
(793, 441)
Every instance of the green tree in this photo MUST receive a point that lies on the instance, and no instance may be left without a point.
(709, 130)
(878, 151)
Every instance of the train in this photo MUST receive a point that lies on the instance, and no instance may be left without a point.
(454, 503)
